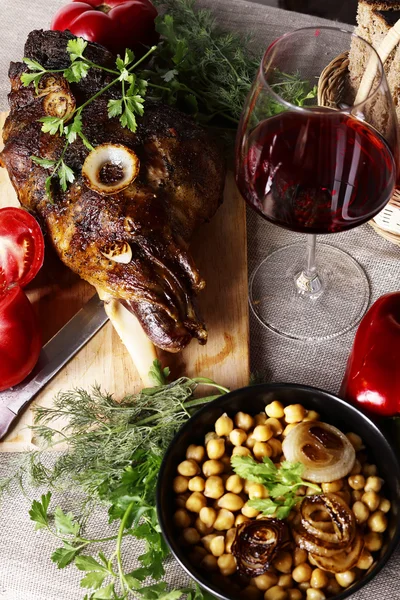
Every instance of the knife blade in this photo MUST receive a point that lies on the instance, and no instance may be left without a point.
(54, 355)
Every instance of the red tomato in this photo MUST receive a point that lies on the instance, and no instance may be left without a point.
(21, 256)
(21, 246)
(20, 339)
(116, 24)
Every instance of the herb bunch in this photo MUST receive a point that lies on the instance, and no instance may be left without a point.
(70, 126)
(281, 482)
(115, 453)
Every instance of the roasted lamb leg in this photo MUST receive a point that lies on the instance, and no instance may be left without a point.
(179, 187)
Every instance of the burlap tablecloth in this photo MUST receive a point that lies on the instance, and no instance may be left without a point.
(26, 572)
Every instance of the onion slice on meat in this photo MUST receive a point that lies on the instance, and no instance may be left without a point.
(316, 536)
(110, 168)
(325, 452)
(256, 545)
(344, 560)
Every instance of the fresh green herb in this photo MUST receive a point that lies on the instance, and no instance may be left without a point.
(281, 482)
(115, 453)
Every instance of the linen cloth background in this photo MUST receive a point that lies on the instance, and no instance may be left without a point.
(26, 572)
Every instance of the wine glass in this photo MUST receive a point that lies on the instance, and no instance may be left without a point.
(315, 169)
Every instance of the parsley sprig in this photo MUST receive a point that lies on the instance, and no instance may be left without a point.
(281, 482)
(70, 126)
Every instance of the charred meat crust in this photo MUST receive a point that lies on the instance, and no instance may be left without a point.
(179, 187)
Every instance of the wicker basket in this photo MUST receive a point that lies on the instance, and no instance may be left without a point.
(330, 87)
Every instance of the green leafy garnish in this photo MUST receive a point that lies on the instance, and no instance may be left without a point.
(281, 482)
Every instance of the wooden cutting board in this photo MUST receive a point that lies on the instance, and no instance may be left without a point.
(219, 249)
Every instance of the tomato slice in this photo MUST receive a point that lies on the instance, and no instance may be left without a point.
(21, 247)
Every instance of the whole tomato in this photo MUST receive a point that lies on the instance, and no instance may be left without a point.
(20, 338)
(116, 24)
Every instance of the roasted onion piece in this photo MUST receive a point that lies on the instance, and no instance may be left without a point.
(324, 538)
(256, 545)
(344, 560)
(325, 452)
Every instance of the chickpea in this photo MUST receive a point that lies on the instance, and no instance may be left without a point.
(378, 522)
(369, 470)
(304, 586)
(208, 515)
(356, 495)
(244, 421)
(180, 484)
(346, 578)
(241, 519)
(314, 594)
(229, 539)
(294, 594)
(361, 512)
(250, 442)
(196, 502)
(247, 485)
(373, 541)
(214, 487)
(332, 486)
(213, 467)
(276, 447)
(300, 556)
(275, 409)
(226, 461)
(263, 433)
(216, 448)
(365, 561)
(294, 413)
(182, 518)
(238, 437)
(202, 528)
(217, 545)
(312, 415)
(248, 511)
(191, 535)
(356, 442)
(225, 520)
(318, 579)
(188, 468)
(223, 425)
(262, 449)
(231, 502)
(250, 593)
(371, 499)
(384, 505)
(209, 563)
(275, 425)
(241, 451)
(227, 564)
(266, 581)
(285, 581)
(207, 539)
(357, 468)
(257, 490)
(196, 453)
(181, 500)
(333, 588)
(211, 435)
(234, 484)
(196, 484)
(288, 429)
(197, 554)
(373, 484)
(311, 491)
(302, 572)
(260, 419)
(276, 593)
(357, 482)
(283, 562)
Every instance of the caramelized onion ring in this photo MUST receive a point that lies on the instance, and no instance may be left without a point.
(325, 452)
(256, 544)
(344, 560)
(315, 536)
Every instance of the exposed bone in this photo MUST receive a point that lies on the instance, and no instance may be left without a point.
(119, 252)
(110, 156)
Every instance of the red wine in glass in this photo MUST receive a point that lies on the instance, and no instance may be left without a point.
(318, 172)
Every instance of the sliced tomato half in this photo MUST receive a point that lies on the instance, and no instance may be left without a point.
(21, 247)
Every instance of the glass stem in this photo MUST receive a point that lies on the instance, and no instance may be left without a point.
(308, 282)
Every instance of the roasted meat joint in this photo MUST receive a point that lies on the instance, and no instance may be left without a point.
(125, 217)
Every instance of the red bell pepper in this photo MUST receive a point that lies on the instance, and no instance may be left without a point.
(116, 24)
(372, 378)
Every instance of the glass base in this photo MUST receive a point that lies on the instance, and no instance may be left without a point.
(315, 310)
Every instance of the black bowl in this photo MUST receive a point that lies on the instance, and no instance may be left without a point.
(253, 399)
